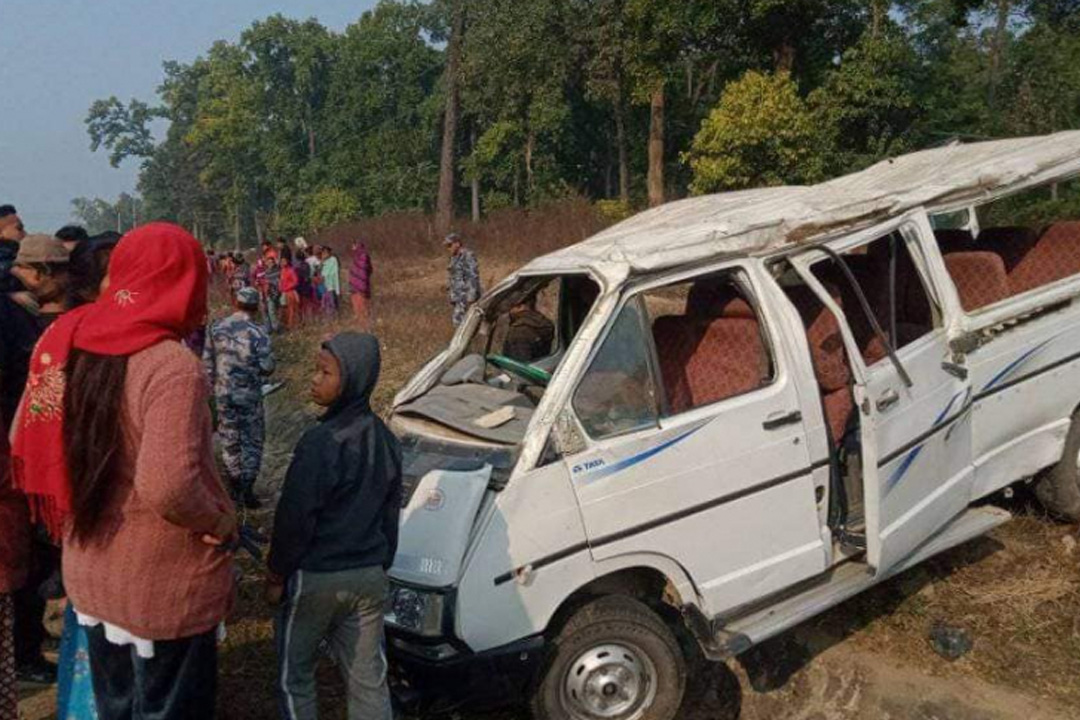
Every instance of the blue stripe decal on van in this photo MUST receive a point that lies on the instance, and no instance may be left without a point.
(913, 455)
(1015, 365)
(609, 470)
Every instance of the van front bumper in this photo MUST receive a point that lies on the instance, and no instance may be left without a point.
(424, 682)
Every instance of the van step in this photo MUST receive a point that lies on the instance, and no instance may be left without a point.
(846, 581)
(853, 540)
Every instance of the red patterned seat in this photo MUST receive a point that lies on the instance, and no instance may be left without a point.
(1055, 255)
(830, 360)
(703, 361)
(979, 278)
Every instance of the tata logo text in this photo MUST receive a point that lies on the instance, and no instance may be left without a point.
(587, 466)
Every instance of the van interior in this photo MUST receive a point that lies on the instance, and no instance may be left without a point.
(987, 262)
(490, 393)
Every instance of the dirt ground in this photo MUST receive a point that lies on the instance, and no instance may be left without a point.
(1015, 592)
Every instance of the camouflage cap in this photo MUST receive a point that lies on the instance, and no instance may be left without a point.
(248, 296)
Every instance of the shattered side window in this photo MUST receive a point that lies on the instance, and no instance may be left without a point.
(616, 394)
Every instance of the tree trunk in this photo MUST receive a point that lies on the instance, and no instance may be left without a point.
(784, 56)
(475, 188)
(623, 151)
(474, 183)
(997, 50)
(530, 144)
(236, 227)
(260, 230)
(656, 148)
(877, 17)
(444, 207)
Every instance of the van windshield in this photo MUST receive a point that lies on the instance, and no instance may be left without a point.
(491, 391)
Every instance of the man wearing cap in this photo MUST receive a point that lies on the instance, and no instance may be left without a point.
(237, 357)
(42, 266)
(464, 277)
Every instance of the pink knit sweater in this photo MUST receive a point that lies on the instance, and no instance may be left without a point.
(149, 572)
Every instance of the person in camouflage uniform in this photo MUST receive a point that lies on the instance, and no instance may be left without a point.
(464, 277)
(237, 359)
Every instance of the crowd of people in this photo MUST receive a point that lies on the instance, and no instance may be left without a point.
(112, 386)
(297, 283)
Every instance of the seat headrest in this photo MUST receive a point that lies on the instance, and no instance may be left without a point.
(717, 297)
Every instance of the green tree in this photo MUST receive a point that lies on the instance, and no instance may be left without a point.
(382, 132)
(225, 133)
(762, 133)
(123, 130)
(330, 206)
(869, 103)
(98, 215)
(516, 58)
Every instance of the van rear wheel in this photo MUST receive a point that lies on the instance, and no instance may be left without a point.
(1058, 489)
(614, 660)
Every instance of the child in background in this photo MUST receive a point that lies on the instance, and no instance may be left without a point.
(335, 535)
(303, 284)
(290, 295)
(314, 261)
(360, 284)
(331, 274)
(272, 297)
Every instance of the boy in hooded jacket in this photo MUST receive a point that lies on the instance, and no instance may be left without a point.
(335, 535)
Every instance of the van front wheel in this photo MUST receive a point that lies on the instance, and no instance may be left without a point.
(614, 660)
(1058, 489)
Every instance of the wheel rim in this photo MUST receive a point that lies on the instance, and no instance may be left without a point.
(614, 681)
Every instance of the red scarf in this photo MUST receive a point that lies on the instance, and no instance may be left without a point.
(157, 291)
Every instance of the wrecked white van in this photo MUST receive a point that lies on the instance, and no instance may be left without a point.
(747, 408)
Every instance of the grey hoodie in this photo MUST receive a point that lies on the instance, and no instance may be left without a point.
(341, 501)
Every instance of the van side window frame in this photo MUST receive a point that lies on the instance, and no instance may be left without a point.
(741, 274)
(648, 353)
(910, 230)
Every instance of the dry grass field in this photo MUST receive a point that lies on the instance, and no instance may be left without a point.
(1016, 592)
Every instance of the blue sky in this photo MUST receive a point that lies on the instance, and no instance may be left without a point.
(58, 56)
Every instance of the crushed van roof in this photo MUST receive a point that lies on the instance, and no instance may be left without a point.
(762, 220)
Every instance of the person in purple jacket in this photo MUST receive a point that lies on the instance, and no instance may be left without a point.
(360, 283)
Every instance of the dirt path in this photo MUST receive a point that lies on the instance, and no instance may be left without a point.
(846, 683)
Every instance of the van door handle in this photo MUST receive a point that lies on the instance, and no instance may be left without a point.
(888, 399)
(789, 418)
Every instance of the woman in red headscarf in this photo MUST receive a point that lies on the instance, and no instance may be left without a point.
(112, 448)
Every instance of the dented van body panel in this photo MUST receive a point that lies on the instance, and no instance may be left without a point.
(767, 399)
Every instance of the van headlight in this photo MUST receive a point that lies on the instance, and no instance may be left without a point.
(416, 611)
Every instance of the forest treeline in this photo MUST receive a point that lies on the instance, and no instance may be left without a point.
(467, 106)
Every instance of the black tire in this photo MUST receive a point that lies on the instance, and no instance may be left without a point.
(651, 653)
(1058, 489)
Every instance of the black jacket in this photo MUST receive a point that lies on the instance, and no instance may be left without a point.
(19, 332)
(341, 501)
